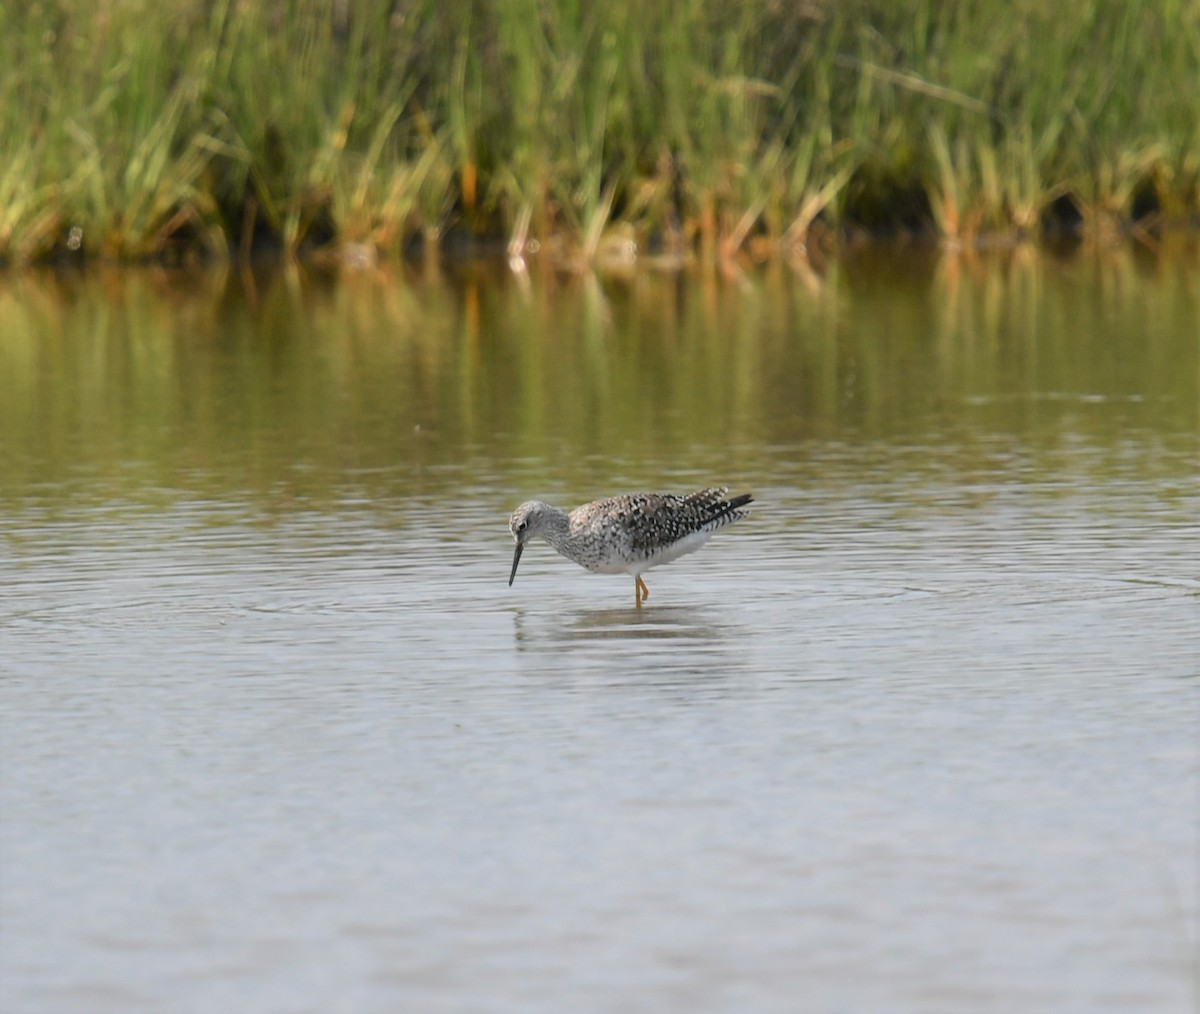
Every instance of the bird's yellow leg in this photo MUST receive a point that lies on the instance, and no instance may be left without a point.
(640, 591)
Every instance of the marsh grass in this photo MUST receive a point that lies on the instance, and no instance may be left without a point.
(132, 129)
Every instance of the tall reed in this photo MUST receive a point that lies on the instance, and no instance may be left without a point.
(131, 129)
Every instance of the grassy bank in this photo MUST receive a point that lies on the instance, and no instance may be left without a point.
(131, 129)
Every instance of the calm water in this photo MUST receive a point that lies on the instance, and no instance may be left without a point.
(922, 734)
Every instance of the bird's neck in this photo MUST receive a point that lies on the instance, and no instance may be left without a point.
(556, 528)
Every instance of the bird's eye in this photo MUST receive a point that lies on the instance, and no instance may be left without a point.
(522, 526)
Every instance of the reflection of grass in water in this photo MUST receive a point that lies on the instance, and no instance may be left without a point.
(133, 129)
(381, 388)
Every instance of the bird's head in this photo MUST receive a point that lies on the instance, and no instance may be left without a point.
(523, 524)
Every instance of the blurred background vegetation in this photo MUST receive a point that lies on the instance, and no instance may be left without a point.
(133, 129)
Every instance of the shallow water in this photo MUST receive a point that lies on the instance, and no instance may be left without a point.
(920, 734)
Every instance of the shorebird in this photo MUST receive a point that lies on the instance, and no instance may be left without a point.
(627, 534)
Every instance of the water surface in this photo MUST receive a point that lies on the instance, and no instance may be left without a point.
(920, 734)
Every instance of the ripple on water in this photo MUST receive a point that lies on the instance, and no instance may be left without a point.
(950, 744)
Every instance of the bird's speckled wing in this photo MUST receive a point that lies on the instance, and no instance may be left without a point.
(652, 522)
(663, 520)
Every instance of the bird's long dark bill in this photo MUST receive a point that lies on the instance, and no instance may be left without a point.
(516, 560)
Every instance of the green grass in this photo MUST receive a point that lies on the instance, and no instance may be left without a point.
(131, 129)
